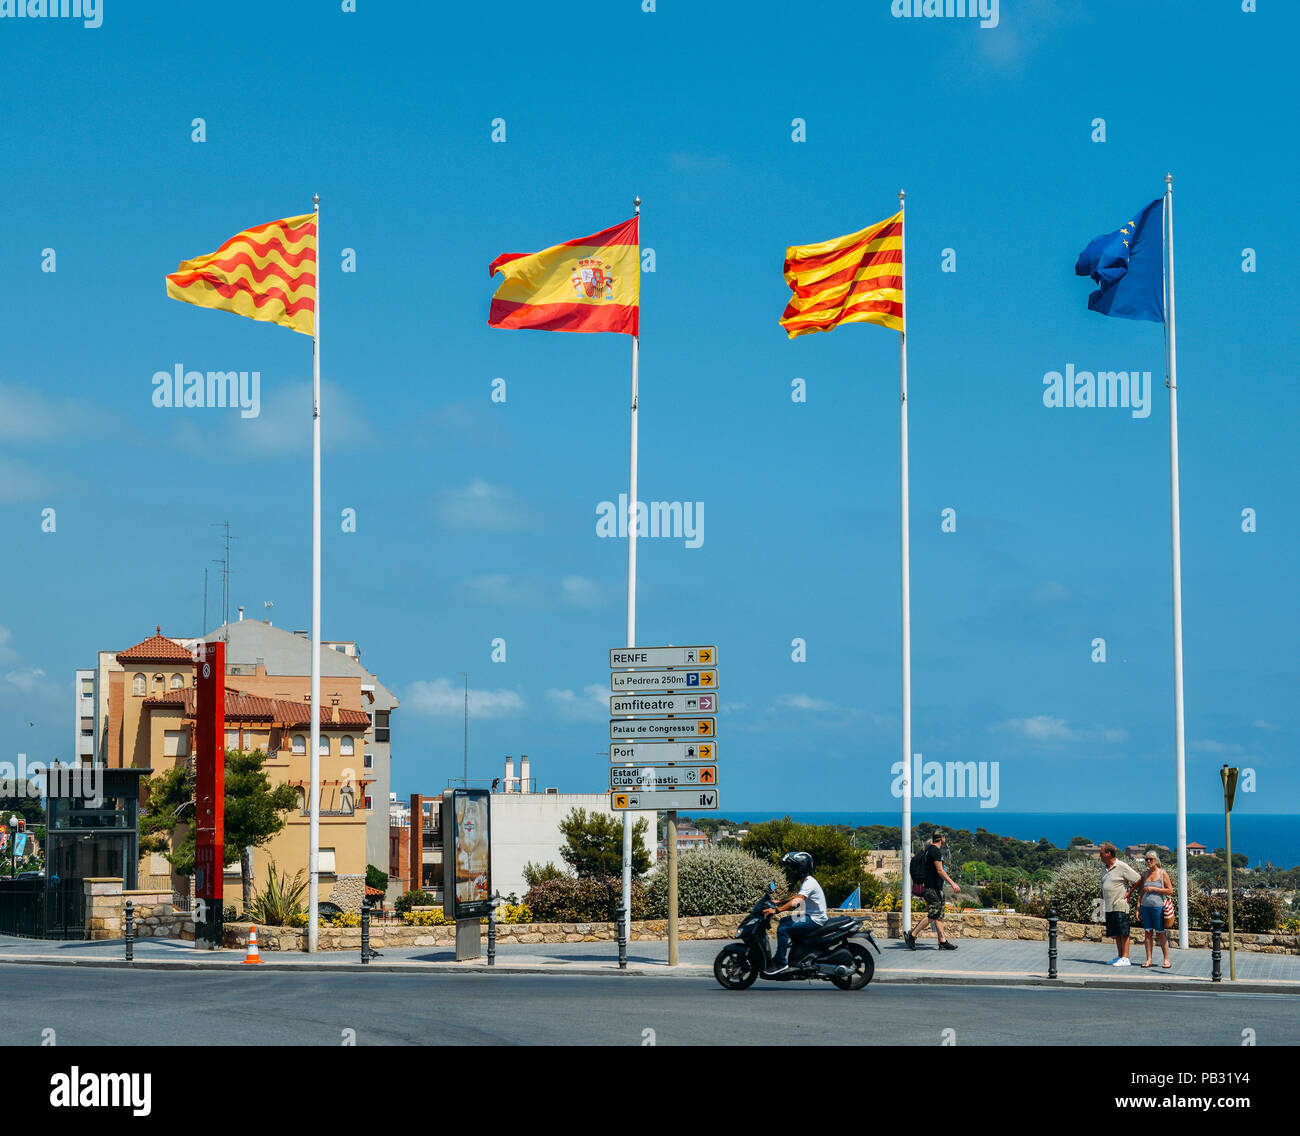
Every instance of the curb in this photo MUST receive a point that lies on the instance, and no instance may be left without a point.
(688, 970)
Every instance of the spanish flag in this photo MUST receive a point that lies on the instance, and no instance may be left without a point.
(265, 273)
(853, 279)
(589, 284)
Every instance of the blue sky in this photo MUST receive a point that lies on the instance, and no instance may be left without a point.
(476, 520)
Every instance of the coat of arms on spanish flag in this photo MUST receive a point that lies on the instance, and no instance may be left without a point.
(853, 279)
(265, 273)
(589, 284)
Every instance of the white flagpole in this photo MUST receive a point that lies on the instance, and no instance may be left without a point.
(631, 609)
(1176, 528)
(314, 792)
(906, 595)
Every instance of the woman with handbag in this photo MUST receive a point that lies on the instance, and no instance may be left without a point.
(1156, 904)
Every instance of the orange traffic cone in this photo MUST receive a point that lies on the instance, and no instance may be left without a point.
(253, 956)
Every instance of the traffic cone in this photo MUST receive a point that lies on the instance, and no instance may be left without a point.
(253, 956)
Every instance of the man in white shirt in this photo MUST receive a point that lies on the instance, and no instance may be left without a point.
(812, 899)
(1117, 882)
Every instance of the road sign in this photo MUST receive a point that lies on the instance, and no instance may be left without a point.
(647, 729)
(629, 681)
(663, 753)
(667, 777)
(663, 704)
(663, 657)
(688, 800)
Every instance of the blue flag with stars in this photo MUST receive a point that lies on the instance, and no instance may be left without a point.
(1129, 264)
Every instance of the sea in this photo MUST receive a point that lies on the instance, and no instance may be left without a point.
(1272, 838)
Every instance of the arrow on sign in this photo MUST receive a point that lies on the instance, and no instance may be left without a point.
(706, 655)
(620, 800)
(707, 777)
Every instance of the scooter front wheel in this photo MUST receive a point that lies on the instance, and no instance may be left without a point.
(864, 966)
(734, 968)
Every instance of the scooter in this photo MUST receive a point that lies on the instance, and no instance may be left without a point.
(825, 953)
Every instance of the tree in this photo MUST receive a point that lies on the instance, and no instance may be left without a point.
(593, 845)
(1076, 840)
(837, 865)
(1239, 859)
(253, 814)
(375, 878)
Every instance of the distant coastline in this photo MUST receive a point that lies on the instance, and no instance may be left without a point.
(1264, 837)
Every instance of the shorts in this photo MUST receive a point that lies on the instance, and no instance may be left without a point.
(1117, 924)
(933, 904)
(1153, 918)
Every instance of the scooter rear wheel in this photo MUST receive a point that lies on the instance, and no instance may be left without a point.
(864, 966)
(734, 968)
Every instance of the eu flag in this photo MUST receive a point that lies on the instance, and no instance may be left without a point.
(1129, 264)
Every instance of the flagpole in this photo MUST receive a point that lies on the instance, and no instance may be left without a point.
(906, 590)
(631, 604)
(313, 900)
(1176, 542)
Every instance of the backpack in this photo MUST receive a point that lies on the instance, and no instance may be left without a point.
(917, 872)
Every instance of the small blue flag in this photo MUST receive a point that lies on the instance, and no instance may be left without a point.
(854, 901)
(1129, 264)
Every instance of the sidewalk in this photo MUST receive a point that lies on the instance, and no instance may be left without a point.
(976, 961)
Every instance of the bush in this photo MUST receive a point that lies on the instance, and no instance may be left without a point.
(342, 919)
(589, 900)
(375, 878)
(535, 874)
(514, 913)
(1291, 926)
(435, 918)
(1074, 889)
(297, 919)
(712, 881)
(1251, 914)
(281, 900)
(415, 898)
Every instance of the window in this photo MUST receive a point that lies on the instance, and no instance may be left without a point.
(159, 684)
(87, 687)
(175, 743)
(370, 804)
(302, 799)
(324, 747)
(232, 739)
(381, 725)
(326, 861)
(370, 761)
(177, 682)
(345, 746)
(299, 744)
(138, 685)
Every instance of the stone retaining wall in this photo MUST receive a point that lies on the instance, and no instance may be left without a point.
(884, 924)
(154, 915)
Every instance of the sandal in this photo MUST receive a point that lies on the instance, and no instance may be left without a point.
(1165, 965)
(1146, 966)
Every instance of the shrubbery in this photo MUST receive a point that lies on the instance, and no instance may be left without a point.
(410, 899)
(591, 900)
(435, 918)
(1074, 889)
(1251, 914)
(514, 913)
(712, 881)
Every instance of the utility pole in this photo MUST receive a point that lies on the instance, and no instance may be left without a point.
(225, 591)
(465, 770)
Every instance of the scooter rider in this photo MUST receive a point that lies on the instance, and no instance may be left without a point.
(798, 866)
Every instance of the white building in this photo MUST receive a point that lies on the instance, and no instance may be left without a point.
(85, 744)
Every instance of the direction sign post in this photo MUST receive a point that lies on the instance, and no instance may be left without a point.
(641, 705)
(654, 778)
(688, 800)
(662, 753)
(662, 657)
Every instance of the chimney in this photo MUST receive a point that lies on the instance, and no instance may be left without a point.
(523, 773)
(510, 774)
(241, 613)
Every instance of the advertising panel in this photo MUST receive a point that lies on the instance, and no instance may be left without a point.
(466, 853)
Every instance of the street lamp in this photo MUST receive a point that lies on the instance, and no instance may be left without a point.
(14, 822)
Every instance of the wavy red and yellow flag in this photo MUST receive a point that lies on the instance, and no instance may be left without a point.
(590, 284)
(853, 279)
(265, 273)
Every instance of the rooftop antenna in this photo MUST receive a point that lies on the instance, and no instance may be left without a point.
(225, 591)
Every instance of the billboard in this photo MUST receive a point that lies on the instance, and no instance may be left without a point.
(466, 853)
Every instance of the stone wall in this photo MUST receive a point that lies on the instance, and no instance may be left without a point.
(884, 925)
(154, 915)
(349, 891)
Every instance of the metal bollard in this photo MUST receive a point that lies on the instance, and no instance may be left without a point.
(492, 935)
(365, 932)
(1051, 943)
(622, 937)
(1216, 951)
(129, 931)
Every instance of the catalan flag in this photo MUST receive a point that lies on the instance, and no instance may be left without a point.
(589, 284)
(265, 273)
(853, 279)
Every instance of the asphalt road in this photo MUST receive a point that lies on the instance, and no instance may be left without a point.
(118, 1007)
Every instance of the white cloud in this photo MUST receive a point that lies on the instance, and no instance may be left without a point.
(443, 698)
(1260, 724)
(483, 508)
(21, 482)
(30, 415)
(498, 589)
(32, 682)
(7, 653)
(802, 702)
(592, 705)
(1209, 745)
(1043, 729)
(580, 591)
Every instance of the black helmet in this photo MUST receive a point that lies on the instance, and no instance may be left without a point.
(797, 863)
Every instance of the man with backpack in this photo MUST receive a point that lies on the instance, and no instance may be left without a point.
(927, 870)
